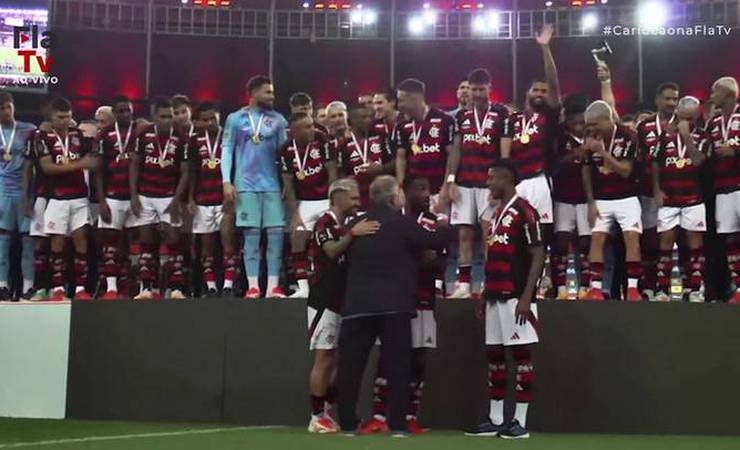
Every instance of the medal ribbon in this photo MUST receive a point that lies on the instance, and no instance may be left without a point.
(213, 147)
(301, 163)
(64, 144)
(123, 146)
(480, 128)
(162, 153)
(363, 152)
(255, 128)
(7, 145)
(528, 123)
(500, 216)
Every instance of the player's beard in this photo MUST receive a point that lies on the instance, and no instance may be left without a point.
(264, 105)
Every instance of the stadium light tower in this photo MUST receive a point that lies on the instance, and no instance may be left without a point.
(589, 21)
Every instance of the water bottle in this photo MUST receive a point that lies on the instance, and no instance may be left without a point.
(571, 278)
(676, 280)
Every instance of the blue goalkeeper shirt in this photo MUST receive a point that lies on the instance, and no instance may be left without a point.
(255, 164)
(11, 172)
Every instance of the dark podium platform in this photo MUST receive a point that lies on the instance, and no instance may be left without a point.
(601, 367)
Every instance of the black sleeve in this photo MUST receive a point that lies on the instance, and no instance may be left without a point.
(421, 239)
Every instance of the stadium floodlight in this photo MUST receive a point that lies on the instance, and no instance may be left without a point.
(430, 16)
(184, 2)
(427, 5)
(604, 2)
(589, 21)
(369, 17)
(548, 3)
(416, 25)
(652, 15)
(356, 16)
(306, 5)
(486, 23)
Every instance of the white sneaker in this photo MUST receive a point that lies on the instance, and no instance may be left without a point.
(696, 297)
(176, 294)
(145, 294)
(650, 294)
(321, 425)
(300, 293)
(462, 290)
(661, 297)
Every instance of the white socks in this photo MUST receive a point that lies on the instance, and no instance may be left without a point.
(496, 413)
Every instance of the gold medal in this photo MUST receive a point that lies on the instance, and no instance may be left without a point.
(301, 175)
(415, 149)
(524, 139)
(7, 156)
(212, 164)
(65, 159)
(256, 139)
(480, 139)
(680, 163)
(163, 163)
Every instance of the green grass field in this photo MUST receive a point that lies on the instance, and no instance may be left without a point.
(88, 435)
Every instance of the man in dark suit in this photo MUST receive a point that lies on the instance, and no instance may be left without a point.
(380, 301)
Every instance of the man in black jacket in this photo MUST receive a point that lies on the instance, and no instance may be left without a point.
(380, 301)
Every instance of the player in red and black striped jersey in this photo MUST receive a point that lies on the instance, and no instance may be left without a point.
(514, 262)
(301, 102)
(387, 118)
(206, 199)
(425, 140)
(35, 194)
(676, 161)
(64, 154)
(648, 135)
(611, 194)
(477, 145)
(308, 169)
(365, 155)
(571, 208)
(724, 138)
(116, 144)
(326, 297)
(423, 326)
(158, 179)
(529, 135)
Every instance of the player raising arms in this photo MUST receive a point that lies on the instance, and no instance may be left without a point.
(611, 194)
(327, 293)
(308, 169)
(207, 198)
(515, 257)
(477, 145)
(724, 138)
(158, 179)
(116, 144)
(365, 155)
(64, 155)
(677, 161)
(529, 135)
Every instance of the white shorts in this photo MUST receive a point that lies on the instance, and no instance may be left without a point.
(62, 217)
(424, 330)
(501, 326)
(728, 213)
(537, 192)
(691, 218)
(625, 212)
(120, 215)
(310, 211)
(470, 207)
(323, 335)
(649, 212)
(37, 219)
(207, 219)
(569, 217)
(153, 212)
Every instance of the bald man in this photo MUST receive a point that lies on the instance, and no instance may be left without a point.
(611, 194)
(724, 150)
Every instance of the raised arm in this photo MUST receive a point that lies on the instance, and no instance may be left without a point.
(551, 71)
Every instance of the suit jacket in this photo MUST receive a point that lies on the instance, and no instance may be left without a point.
(382, 268)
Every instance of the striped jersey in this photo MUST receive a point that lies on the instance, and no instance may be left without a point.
(679, 176)
(160, 155)
(116, 148)
(480, 143)
(70, 185)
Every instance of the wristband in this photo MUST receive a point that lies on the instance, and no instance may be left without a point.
(450, 178)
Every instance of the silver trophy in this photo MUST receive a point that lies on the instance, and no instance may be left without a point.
(603, 49)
